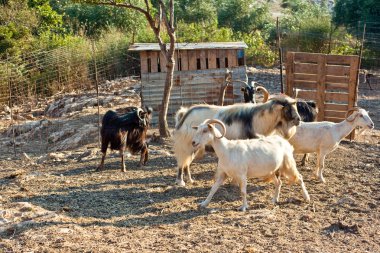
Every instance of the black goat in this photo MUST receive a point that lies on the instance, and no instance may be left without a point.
(127, 131)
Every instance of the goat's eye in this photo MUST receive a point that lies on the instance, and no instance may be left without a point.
(361, 115)
(205, 131)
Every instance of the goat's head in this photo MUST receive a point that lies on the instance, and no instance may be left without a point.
(288, 108)
(206, 132)
(143, 117)
(248, 93)
(360, 117)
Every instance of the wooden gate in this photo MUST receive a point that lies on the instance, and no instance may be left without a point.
(329, 80)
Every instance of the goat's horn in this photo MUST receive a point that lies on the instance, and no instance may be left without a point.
(351, 110)
(139, 111)
(264, 91)
(240, 81)
(216, 121)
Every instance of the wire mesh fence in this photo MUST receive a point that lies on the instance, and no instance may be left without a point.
(43, 92)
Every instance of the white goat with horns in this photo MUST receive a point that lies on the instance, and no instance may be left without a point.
(324, 137)
(242, 159)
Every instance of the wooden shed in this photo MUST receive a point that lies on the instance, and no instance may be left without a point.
(200, 70)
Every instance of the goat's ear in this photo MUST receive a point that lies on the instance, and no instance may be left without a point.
(209, 126)
(142, 114)
(194, 127)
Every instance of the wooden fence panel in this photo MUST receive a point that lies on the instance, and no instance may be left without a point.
(329, 80)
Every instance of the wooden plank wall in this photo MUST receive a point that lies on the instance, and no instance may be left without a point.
(189, 59)
(330, 80)
(190, 87)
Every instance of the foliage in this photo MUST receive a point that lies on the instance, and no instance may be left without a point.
(306, 27)
(258, 52)
(350, 12)
(92, 20)
(196, 11)
(17, 22)
(202, 32)
(243, 15)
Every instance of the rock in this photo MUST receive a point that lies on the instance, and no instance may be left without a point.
(6, 109)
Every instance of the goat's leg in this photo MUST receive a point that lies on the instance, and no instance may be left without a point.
(220, 177)
(122, 161)
(305, 159)
(320, 166)
(188, 174)
(243, 192)
(179, 179)
(277, 183)
(101, 165)
(143, 156)
(304, 191)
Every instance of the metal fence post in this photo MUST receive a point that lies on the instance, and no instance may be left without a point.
(97, 86)
(10, 103)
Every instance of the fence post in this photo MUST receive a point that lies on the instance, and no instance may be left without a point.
(280, 54)
(10, 103)
(97, 86)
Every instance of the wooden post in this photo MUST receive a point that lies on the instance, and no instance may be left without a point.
(97, 87)
(353, 86)
(289, 73)
(10, 103)
(330, 35)
(280, 54)
(321, 86)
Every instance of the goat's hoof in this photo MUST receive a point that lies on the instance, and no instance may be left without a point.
(322, 180)
(307, 198)
(274, 200)
(191, 181)
(99, 168)
(243, 208)
(123, 170)
(203, 204)
(180, 183)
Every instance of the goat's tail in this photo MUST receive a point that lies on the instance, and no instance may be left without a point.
(264, 91)
(179, 114)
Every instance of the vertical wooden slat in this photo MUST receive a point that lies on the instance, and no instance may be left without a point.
(144, 62)
(162, 62)
(353, 86)
(153, 59)
(289, 73)
(192, 56)
(185, 60)
(202, 56)
(211, 55)
(222, 56)
(321, 86)
(232, 58)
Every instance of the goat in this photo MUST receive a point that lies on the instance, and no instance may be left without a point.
(244, 121)
(127, 131)
(242, 159)
(324, 137)
(307, 110)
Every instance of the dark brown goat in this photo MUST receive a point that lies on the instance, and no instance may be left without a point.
(127, 131)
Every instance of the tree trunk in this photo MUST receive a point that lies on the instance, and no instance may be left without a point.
(162, 121)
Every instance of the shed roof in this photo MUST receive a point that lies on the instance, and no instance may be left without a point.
(189, 46)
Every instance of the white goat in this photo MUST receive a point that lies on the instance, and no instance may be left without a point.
(243, 121)
(242, 159)
(324, 137)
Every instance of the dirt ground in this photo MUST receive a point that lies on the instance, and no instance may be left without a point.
(65, 206)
